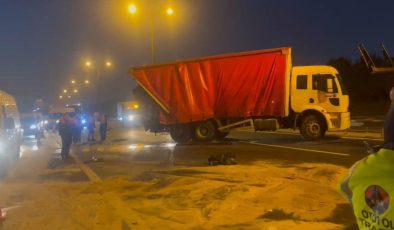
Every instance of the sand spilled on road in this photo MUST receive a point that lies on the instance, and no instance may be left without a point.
(260, 196)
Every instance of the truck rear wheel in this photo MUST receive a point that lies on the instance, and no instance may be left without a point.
(312, 128)
(181, 133)
(205, 131)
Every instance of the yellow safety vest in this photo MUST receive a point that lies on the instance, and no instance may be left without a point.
(369, 187)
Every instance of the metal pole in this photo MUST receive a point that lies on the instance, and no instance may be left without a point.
(98, 86)
(152, 40)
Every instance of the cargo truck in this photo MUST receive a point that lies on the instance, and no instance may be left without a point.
(205, 98)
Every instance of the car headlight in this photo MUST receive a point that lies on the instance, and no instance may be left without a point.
(83, 121)
(57, 121)
(131, 117)
(120, 118)
(45, 122)
(33, 126)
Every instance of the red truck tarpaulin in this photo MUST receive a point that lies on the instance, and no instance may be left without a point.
(250, 84)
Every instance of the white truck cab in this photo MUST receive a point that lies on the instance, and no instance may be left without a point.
(318, 92)
(10, 130)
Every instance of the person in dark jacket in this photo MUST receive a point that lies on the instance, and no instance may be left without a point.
(76, 119)
(66, 133)
(103, 127)
(91, 126)
(389, 124)
(388, 127)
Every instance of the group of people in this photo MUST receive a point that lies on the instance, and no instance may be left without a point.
(70, 130)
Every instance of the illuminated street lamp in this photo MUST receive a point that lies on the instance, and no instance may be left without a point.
(69, 96)
(132, 9)
(169, 11)
(75, 91)
(65, 91)
(60, 97)
(72, 81)
(106, 65)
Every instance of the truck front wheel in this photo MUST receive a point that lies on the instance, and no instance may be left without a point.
(181, 133)
(312, 128)
(205, 131)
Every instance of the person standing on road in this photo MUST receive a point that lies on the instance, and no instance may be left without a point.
(389, 124)
(369, 185)
(388, 127)
(91, 126)
(78, 129)
(66, 132)
(103, 127)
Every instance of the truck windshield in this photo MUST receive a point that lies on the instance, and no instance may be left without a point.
(344, 90)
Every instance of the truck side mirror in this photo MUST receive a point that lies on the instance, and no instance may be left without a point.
(329, 85)
(9, 123)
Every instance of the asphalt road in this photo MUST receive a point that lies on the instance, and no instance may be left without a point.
(141, 156)
(132, 152)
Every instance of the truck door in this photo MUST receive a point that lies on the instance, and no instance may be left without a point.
(325, 92)
(301, 92)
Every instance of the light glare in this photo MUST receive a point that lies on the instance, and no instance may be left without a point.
(132, 9)
(170, 11)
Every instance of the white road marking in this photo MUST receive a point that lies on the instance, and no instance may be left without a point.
(299, 149)
(88, 171)
(85, 169)
(296, 134)
(363, 138)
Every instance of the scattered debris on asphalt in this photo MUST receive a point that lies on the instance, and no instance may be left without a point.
(94, 160)
(278, 214)
(119, 140)
(223, 159)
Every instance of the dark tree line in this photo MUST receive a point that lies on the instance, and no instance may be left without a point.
(361, 84)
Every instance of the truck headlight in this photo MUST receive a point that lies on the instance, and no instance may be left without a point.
(33, 126)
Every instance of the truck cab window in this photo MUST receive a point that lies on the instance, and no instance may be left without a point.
(302, 82)
(319, 82)
(342, 85)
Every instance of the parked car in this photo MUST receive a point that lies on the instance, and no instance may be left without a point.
(10, 130)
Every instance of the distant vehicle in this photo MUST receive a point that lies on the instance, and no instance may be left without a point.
(32, 125)
(77, 108)
(10, 129)
(55, 113)
(203, 99)
(128, 112)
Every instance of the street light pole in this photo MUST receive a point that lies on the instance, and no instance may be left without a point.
(97, 69)
(133, 10)
(98, 76)
(152, 40)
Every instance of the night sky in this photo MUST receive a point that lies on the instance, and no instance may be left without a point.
(45, 43)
